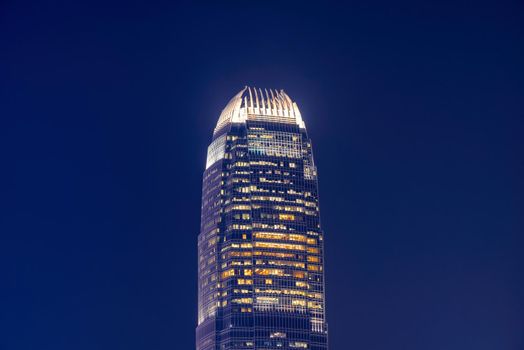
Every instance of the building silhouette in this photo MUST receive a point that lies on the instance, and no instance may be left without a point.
(260, 247)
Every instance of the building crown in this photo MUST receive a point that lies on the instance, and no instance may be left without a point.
(257, 104)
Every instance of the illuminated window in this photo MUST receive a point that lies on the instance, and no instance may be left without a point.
(267, 300)
(312, 250)
(228, 273)
(315, 295)
(298, 274)
(313, 268)
(277, 335)
(274, 254)
(285, 246)
(298, 345)
(266, 272)
(289, 217)
(242, 301)
(314, 305)
(280, 236)
(242, 281)
(311, 258)
(298, 302)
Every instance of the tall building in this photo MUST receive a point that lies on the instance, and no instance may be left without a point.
(260, 247)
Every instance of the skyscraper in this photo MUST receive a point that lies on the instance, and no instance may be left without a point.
(260, 247)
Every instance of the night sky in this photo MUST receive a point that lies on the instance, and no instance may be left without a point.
(416, 114)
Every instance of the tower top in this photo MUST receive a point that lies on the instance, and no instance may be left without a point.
(256, 104)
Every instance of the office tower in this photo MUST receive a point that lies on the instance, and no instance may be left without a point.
(260, 247)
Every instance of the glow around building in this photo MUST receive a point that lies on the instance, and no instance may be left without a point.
(260, 247)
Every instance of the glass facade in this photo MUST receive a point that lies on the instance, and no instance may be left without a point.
(261, 246)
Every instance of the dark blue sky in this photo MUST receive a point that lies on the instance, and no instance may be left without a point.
(416, 114)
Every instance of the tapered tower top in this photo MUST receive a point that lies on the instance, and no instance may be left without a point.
(260, 104)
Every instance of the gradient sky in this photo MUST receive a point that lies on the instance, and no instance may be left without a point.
(416, 114)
